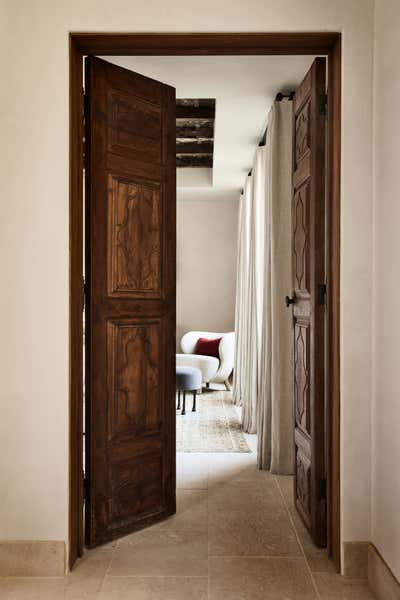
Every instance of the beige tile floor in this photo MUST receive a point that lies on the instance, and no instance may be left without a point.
(235, 536)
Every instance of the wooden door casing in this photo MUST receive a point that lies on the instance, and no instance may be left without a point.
(130, 320)
(82, 44)
(308, 223)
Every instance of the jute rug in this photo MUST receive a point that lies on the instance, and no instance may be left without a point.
(214, 427)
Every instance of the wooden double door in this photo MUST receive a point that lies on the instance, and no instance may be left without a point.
(130, 308)
(309, 300)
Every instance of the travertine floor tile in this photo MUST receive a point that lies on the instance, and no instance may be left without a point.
(285, 483)
(335, 587)
(233, 522)
(251, 533)
(161, 553)
(254, 496)
(247, 514)
(191, 512)
(260, 579)
(32, 589)
(240, 468)
(87, 576)
(317, 558)
(192, 471)
(155, 588)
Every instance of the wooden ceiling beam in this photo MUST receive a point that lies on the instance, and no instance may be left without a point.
(195, 128)
(195, 102)
(195, 132)
(194, 160)
(194, 146)
(195, 112)
(191, 108)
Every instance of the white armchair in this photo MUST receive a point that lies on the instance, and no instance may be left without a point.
(212, 369)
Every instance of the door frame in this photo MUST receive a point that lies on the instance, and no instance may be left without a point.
(193, 44)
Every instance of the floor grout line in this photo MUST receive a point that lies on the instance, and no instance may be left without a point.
(33, 577)
(157, 577)
(107, 570)
(300, 562)
(267, 556)
(298, 538)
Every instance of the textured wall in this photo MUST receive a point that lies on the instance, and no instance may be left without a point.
(386, 403)
(34, 234)
(206, 261)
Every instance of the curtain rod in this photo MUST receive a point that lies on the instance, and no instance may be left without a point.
(278, 98)
(248, 175)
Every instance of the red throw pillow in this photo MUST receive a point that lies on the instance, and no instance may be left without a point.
(208, 347)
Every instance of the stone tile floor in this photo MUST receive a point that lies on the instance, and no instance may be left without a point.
(236, 536)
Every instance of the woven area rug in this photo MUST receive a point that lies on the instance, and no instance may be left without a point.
(214, 427)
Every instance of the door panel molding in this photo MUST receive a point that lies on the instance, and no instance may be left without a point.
(134, 204)
(229, 43)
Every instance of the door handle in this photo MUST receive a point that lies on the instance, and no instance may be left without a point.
(289, 301)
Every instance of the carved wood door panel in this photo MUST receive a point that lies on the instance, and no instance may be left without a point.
(130, 311)
(308, 247)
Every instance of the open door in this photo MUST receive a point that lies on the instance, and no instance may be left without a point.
(130, 306)
(308, 247)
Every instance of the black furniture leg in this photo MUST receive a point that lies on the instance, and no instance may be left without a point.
(184, 404)
(194, 401)
(179, 400)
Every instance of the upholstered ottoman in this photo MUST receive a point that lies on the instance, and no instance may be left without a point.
(188, 379)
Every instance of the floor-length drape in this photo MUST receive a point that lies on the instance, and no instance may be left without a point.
(275, 412)
(240, 371)
(249, 414)
(263, 358)
(246, 370)
(240, 302)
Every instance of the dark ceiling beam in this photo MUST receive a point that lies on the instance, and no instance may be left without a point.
(194, 146)
(195, 132)
(194, 160)
(195, 112)
(198, 109)
(195, 128)
(195, 102)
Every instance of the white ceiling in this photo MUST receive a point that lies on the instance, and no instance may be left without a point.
(244, 88)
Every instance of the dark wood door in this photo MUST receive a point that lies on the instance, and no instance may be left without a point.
(130, 317)
(308, 222)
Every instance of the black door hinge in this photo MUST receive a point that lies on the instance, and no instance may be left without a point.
(322, 293)
(323, 104)
(85, 488)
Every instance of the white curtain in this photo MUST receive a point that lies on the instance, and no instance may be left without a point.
(242, 296)
(264, 354)
(275, 397)
(239, 304)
